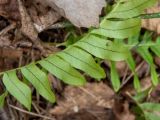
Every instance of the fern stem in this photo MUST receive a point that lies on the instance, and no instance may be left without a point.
(151, 15)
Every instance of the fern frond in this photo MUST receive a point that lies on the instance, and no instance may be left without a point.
(144, 50)
(79, 55)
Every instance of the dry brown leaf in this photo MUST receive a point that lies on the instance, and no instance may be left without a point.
(92, 94)
(9, 9)
(82, 13)
(125, 113)
(152, 24)
(28, 28)
(27, 25)
(42, 16)
(94, 113)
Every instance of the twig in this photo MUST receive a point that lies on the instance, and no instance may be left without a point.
(131, 75)
(31, 113)
(8, 28)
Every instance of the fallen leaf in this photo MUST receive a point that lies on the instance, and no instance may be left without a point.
(9, 9)
(94, 113)
(125, 113)
(82, 13)
(92, 94)
(28, 28)
(41, 15)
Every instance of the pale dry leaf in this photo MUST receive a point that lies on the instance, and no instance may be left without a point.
(82, 13)
(92, 94)
(152, 24)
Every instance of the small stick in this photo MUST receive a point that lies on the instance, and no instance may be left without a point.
(31, 113)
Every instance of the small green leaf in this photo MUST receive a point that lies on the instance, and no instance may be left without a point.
(83, 61)
(62, 70)
(2, 98)
(151, 116)
(150, 106)
(139, 97)
(115, 77)
(17, 88)
(39, 80)
(131, 63)
(144, 52)
(154, 76)
(136, 82)
(99, 48)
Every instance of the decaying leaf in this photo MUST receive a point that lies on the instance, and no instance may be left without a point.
(9, 9)
(42, 15)
(93, 94)
(123, 113)
(82, 13)
(27, 27)
(94, 113)
(152, 24)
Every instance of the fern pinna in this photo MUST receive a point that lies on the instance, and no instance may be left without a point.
(122, 22)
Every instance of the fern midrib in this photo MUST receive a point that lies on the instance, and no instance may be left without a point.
(120, 29)
(79, 60)
(17, 87)
(101, 47)
(62, 69)
(39, 81)
(122, 11)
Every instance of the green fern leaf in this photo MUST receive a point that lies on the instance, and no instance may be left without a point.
(118, 29)
(156, 46)
(154, 75)
(39, 80)
(150, 106)
(17, 88)
(83, 61)
(130, 8)
(62, 70)
(115, 77)
(132, 65)
(151, 116)
(98, 47)
(2, 99)
(143, 51)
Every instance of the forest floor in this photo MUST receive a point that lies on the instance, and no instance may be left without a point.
(19, 46)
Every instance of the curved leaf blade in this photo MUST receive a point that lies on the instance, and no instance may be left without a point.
(17, 88)
(39, 80)
(2, 99)
(118, 29)
(152, 116)
(150, 106)
(115, 77)
(98, 47)
(130, 8)
(83, 61)
(154, 76)
(62, 70)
